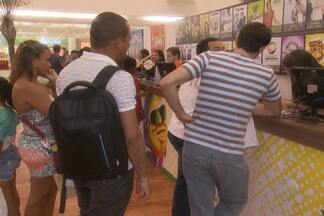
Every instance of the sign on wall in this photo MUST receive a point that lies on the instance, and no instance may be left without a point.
(158, 38)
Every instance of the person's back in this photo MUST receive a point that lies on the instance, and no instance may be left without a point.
(57, 61)
(110, 36)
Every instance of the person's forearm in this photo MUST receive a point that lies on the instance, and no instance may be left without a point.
(170, 93)
(261, 110)
(137, 154)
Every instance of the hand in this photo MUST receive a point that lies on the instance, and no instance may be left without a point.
(51, 75)
(143, 188)
(185, 118)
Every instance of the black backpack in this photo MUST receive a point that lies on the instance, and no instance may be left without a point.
(88, 131)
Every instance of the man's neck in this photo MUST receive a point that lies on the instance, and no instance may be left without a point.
(105, 52)
(246, 54)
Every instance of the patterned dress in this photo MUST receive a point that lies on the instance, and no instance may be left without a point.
(33, 150)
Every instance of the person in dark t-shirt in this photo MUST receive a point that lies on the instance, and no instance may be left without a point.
(57, 61)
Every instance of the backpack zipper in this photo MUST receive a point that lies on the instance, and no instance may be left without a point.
(104, 150)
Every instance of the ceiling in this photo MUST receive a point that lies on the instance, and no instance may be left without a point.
(132, 10)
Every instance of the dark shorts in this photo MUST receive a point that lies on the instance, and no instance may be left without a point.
(9, 162)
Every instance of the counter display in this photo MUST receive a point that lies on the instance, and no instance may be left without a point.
(286, 169)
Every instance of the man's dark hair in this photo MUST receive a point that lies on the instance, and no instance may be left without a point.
(144, 53)
(202, 46)
(129, 64)
(174, 51)
(56, 48)
(87, 49)
(75, 51)
(253, 36)
(106, 27)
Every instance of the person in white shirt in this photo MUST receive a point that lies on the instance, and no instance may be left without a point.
(110, 39)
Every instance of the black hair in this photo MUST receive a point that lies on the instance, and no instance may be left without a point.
(106, 27)
(300, 58)
(56, 48)
(174, 51)
(202, 46)
(75, 51)
(87, 49)
(129, 64)
(5, 91)
(161, 54)
(253, 36)
(144, 53)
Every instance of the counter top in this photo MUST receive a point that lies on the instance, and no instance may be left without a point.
(300, 131)
(303, 132)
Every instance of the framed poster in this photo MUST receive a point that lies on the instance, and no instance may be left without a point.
(226, 23)
(239, 18)
(136, 42)
(193, 50)
(255, 11)
(258, 59)
(157, 38)
(315, 14)
(204, 26)
(195, 28)
(180, 32)
(294, 15)
(214, 24)
(315, 45)
(228, 45)
(290, 43)
(273, 15)
(272, 54)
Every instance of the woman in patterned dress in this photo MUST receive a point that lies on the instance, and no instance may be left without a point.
(32, 100)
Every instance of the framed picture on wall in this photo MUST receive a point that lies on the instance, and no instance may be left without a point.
(180, 32)
(214, 24)
(294, 15)
(228, 45)
(315, 45)
(195, 29)
(255, 11)
(239, 18)
(273, 15)
(290, 43)
(315, 14)
(272, 54)
(204, 26)
(226, 23)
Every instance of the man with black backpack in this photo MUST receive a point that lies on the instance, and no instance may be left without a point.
(94, 121)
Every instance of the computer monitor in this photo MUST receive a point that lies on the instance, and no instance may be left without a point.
(308, 86)
(165, 68)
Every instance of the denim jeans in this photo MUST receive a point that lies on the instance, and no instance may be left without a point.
(180, 206)
(205, 168)
(105, 197)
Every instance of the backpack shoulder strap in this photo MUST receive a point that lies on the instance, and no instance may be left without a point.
(104, 76)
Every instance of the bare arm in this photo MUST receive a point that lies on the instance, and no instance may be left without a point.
(135, 142)
(169, 89)
(270, 109)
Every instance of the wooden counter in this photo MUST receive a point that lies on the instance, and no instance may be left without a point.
(303, 132)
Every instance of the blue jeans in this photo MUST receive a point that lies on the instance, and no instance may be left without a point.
(205, 169)
(180, 206)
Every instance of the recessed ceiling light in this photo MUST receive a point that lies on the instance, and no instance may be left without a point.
(52, 14)
(162, 18)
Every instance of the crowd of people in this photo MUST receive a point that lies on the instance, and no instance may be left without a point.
(219, 93)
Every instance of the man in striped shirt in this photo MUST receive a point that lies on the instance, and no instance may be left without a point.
(231, 86)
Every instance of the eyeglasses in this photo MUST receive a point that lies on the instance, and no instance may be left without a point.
(158, 115)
